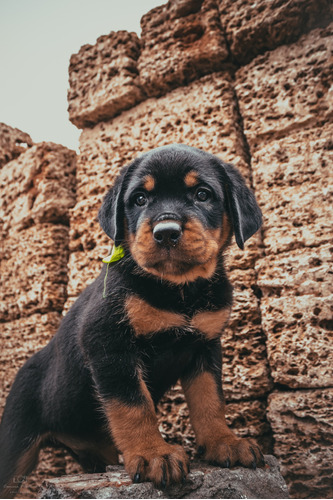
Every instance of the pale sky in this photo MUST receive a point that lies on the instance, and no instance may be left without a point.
(37, 38)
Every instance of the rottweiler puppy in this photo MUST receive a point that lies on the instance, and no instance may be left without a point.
(152, 317)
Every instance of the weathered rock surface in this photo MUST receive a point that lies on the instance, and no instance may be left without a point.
(299, 340)
(38, 187)
(13, 142)
(103, 78)
(302, 422)
(189, 35)
(293, 180)
(203, 114)
(306, 271)
(287, 89)
(33, 271)
(203, 482)
(253, 28)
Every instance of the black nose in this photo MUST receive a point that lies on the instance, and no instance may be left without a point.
(167, 233)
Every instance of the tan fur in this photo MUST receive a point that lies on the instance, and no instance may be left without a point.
(191, 179)
(211, 322)
(149, 183)
(207, 416)
(146, 319)
(135, 432)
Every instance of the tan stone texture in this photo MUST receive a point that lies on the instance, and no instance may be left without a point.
(287, 89)
(19, 340)
(302, 423)
(299, 339)
(253, 28)
(245, 368)
(293, 180)
(103, 78)
(33, 271)
(181, 41)
(13, 142)
(203, 114)
(306, 271)
(38, 187)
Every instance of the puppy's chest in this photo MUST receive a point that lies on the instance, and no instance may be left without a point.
(147, 320)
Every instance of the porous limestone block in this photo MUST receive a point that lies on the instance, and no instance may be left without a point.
(305, 271)
(293, 182)
(33, 271)
(299, 339)
(253, 28)
(13, 142)
(181, 41)
(19, 340)
(302, 423)
(287, 89)
(203, 114)
(103, 78)
(38, 187)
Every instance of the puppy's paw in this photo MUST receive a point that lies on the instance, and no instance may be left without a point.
(233, 451)
(163, 465)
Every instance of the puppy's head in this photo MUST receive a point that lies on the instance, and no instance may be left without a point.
(175, 209)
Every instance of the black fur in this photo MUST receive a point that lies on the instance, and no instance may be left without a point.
(94, 357)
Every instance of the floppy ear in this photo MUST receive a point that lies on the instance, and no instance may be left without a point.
(242, 207)
(111, 215)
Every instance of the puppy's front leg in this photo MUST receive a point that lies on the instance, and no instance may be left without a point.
(216, 442)
(147, 456)
(130, 412)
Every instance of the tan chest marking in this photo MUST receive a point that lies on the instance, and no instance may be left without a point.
(147, 319)
(210, 323)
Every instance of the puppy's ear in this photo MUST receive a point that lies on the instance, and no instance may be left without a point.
(111, 215)
(241, 205)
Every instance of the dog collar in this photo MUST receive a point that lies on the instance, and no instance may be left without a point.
(116, 254)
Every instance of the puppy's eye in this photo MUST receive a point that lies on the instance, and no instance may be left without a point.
(140, 200)
(202, 194)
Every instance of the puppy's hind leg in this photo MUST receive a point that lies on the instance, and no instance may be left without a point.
(20, 435)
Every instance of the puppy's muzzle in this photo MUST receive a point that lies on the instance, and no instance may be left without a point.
(167, 233)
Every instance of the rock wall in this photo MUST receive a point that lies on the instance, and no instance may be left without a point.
(38, 187)
(252, 83)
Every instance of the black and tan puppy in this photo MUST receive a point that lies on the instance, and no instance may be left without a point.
(155, 317)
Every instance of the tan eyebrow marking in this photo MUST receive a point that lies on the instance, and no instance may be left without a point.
(149, 183)
(191, 178)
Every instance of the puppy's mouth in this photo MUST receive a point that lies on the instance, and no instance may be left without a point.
(175, 252)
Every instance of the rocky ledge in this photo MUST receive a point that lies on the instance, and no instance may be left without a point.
(204, 481)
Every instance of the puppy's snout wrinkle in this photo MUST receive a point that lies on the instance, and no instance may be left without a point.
(167, 233)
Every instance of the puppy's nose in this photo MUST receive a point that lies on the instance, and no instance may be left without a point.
(167, 233)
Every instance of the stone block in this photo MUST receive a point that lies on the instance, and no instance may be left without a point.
(34, 271)
(302, 425)
(13, 142)
(38, 187)
(103, 79)
(293, 182)
(204, 114)
(287, 89)
(301, 157)
(299, 340)
(253, 28)
(306, 271)
(181, 41)
(204, 481)
(19, 340)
